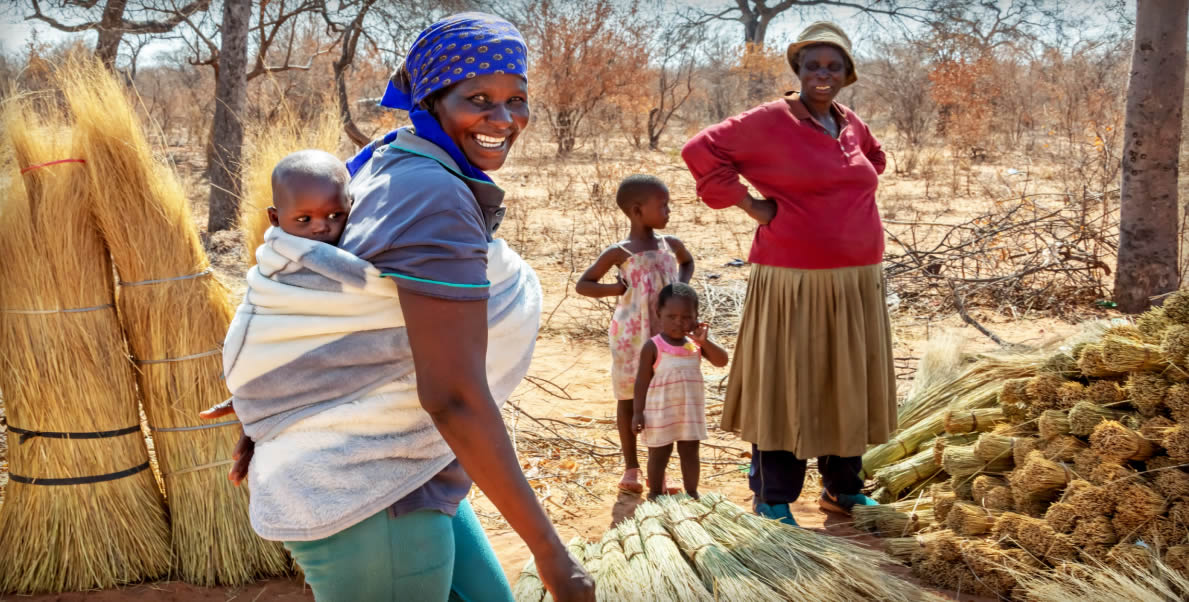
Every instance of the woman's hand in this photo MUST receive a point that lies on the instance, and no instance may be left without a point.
(565, 578)
(761, 210)
(244, 448)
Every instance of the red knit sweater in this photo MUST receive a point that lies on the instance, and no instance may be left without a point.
(824, 188)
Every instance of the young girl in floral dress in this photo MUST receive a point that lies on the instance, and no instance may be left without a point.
(647, 263)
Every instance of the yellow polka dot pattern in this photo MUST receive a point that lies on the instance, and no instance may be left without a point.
(484, 43)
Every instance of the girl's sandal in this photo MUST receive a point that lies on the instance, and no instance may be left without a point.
(630, 483)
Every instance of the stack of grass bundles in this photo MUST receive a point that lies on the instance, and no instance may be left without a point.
(1114, 442)
(972, 421)
(174, 315)
(665, 557)
(960, 461)
(1139, 577)
(78, 513)
(722, 573)
(270, 144)
(900, 476)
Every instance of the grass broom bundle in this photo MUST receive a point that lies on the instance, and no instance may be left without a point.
(651, 583)
(904, 474)
(940, 443)
(1013, 400)
(174, 314)
(1177, 402)
(1062, 517)
(1146, 391)
(1153, 324)
(960, 461)
(1126, 354)
(1039, 476)
(902, 548)
(615, 581)
(969, 519)
(665, 557)
(1172, 482)
(1063, 448)
(64, 369)
(270, 144)
(802, 564)
(1053, 423)
(1176, 307)
(1176, 441)
(994, 446)
(1175, 344)
(1084, 416)
(991, 492)
(1092, 363)
(1116, 443)
(972, 421)
(722, 573)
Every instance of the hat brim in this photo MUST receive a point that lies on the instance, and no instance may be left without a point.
(796, 47)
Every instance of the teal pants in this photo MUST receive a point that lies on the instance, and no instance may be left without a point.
(420, 556)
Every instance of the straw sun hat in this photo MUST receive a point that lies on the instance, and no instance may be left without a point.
(823, 32)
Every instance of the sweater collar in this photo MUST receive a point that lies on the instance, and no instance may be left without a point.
(797, 108)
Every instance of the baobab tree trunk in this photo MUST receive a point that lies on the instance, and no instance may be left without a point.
(1152, 139)
(227, 131)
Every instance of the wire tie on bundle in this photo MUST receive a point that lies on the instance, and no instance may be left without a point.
(111, 476)
(38, 312)
(197, 468)
(26, 170)
(175, 429)
(27, 434)
(159, 280)
(178, 359)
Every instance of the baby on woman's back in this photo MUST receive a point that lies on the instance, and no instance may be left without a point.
(309, 196)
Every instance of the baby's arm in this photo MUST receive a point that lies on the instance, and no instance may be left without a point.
(643, 379)
(713, 352)
(589, 285)
(685, 259)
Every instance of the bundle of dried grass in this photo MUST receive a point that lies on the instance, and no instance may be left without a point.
(1154, 429)
(1063, 448)
(992, 493)
(972, 421)
(529, 587)
(1013, 399)
(1042, 391)
(1172, 482)
(1136, 576)
(943, 501)
(64, 369)
(664, 556)
(940, 443)
(902, 475)
(1177, 402)
(653, 584)
(1024, 446)
(1116, 443)
(1039, 476)
(1063, 364)
(1136, 505)
(1177, 559)
(904, 523)
(1088, 500)
(994, 446)
(963, 487)
(721, 572)
(1006, 528)
(1153, 324)
(1095, 531)
(1176, 307)
(960, 461)
(1070, 393)
(1043, 542)
(1106, 392)
(174, 314)
(1111, 473)
(269, 144)
(970, 519)
(1176, 442)
(1175, 344)
(1146, 392)
(902, 548)
(1126, 555)
(1127, 354)
(615, 581)
(1062, 517)
(1084, 416)
(1085, 462)
(1092, 363)
(995, 569)
(1053, 423)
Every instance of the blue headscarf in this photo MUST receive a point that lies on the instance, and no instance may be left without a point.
(456, 48)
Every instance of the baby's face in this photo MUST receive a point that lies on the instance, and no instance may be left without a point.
(313, 210)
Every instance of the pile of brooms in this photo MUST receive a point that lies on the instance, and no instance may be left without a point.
(681, 549)
(109, 308)
(1071, 476)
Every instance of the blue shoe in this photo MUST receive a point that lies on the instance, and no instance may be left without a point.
(843, 503)
(776, 512)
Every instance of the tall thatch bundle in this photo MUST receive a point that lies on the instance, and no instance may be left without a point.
(1039, 476)
(1084, 416)
(960, 461)
(721, 572)
(664, 556)
(174, 315)
(1116, 443)
(269, 145)
(906, 473)
(1127, 354)
(993, 446)
(1053, 423)
(81, 508)
(1146, 392)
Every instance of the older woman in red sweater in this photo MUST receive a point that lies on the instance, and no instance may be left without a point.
(812, 375)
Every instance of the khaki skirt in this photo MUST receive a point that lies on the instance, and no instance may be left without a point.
(812, 372)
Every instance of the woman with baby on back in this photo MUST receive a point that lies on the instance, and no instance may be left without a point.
(646, 263)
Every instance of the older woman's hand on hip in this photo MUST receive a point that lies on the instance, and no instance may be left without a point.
(244, 448)
(761, 210)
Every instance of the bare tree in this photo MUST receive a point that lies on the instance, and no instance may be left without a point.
(676, 57)
(227, 131)
(756, 15)
(117, 18)
(1147, 264)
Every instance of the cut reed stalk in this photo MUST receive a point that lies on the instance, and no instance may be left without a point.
(1053, 423)
(174, 314)
(64, 369)
(1117, 443)
(1084, 416)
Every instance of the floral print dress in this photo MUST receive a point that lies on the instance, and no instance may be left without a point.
(635, 319)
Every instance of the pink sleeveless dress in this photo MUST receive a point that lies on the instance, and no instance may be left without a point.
(675, 409)
(635, 318)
